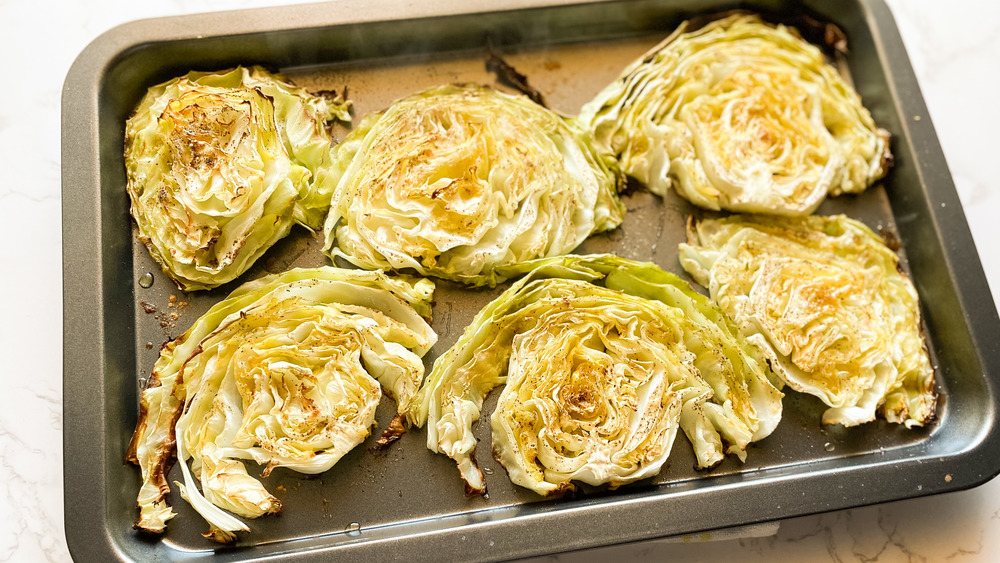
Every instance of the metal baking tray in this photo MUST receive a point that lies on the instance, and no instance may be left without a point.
(405, 501)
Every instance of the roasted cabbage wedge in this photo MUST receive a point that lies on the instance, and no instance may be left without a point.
(825, 302)
(601, 359)
(739, 115)
(220, 165)
(286, 371)
(459, 180)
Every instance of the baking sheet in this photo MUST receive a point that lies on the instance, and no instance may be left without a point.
(406, 501)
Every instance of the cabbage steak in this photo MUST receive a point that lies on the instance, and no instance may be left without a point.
(602, 359)
(825, 302)
(286, 372)
(221, 165)
(461, 180)
(739, 115)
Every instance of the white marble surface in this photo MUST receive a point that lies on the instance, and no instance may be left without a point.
(954, 47)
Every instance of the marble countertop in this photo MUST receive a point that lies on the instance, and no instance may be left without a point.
(954, 48)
